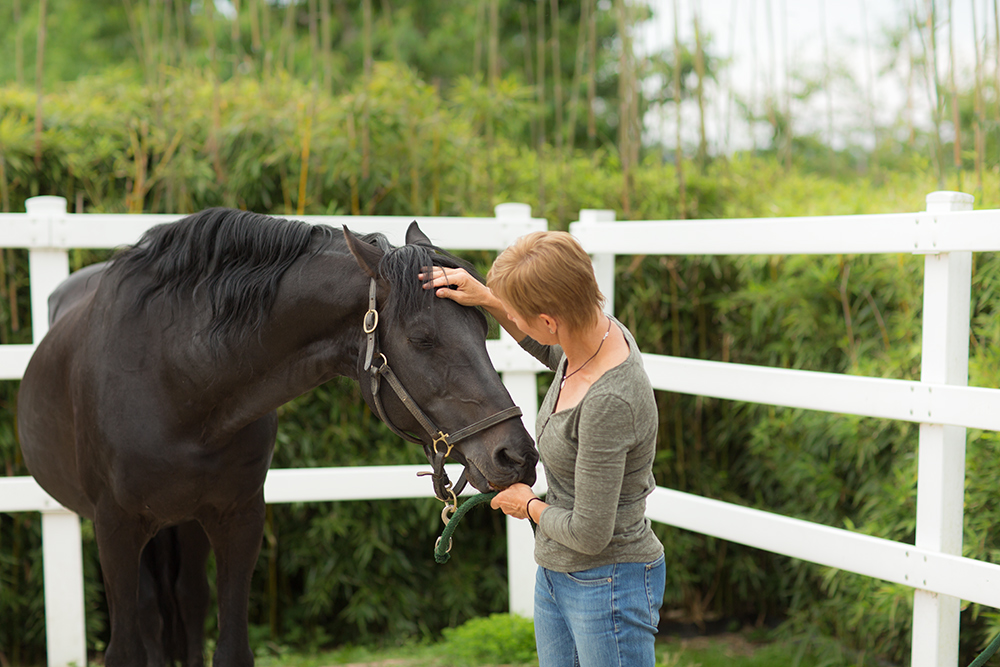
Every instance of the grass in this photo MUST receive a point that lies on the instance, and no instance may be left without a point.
(739, 649)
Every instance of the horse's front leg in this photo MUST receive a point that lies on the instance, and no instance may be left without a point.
(236, 538)
(120, 540)
(192, 590)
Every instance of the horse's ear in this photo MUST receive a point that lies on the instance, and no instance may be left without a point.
(368, 256)
(414, 235)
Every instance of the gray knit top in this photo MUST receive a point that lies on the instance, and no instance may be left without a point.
(598, 458)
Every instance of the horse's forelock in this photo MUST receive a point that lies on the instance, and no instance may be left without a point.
(400, 266)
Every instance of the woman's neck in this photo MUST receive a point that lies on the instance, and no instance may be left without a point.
(583, 348)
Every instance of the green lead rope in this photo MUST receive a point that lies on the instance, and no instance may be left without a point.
(442, 548)
(987, 654)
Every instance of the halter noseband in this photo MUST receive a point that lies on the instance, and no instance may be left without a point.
(443, 489)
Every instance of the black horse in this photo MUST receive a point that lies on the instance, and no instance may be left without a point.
(149, 406)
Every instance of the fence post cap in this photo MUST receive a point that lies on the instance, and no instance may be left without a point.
(45, 204)
(597, 215)
(512, 210)
(945, 200)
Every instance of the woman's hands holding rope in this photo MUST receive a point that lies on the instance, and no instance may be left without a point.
(513, 501)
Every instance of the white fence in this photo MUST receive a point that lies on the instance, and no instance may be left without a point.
(946, 234)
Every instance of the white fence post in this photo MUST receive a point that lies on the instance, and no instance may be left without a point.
(65, 626)
(523, 390)
(62, 571)
(48, 267)
(604, 263)
(941, 462)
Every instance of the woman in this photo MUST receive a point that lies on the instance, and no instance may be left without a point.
(601, 571)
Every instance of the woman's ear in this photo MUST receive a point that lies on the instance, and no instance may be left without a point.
(550, 323)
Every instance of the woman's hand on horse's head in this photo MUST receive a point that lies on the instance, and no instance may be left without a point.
(457, 285)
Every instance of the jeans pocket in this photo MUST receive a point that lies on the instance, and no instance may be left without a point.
(656, 580)
(596, 576)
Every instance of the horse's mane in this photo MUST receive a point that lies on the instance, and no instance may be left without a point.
(238, 259)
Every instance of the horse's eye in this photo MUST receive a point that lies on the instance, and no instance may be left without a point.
(422, 342)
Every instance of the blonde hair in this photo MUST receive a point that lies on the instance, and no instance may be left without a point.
(548, 272)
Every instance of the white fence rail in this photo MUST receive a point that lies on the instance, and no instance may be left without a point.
(947, 233)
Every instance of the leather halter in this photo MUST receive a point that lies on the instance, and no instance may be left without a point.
(443, 489)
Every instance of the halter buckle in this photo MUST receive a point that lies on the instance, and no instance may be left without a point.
(442, 437)
(371, 321)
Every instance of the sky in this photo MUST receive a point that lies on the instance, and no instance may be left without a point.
(771, 41)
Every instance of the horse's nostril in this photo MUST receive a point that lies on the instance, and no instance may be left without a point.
(508, 458)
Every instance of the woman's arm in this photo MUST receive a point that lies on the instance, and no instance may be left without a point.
(606, 434)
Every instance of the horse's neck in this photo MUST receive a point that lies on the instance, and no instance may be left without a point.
(314, 333)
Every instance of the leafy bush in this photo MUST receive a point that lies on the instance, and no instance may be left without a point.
(497, 639)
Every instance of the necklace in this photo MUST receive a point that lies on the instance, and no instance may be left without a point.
(566, 377)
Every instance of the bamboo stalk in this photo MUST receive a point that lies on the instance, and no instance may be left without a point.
(592, 79)
(978, 102)
(679, 151)
(4, 188)
(286, 45)
(827, 87)
(910, 124)
(494, 76)
(181, 22)
(477, 48)
(753, 79)
(581, 44)
(4, 336)
(732, 95)
(314, 45)
(326, 30)
(624, 108)
(300, 206)
(352, 142)
(789, 129)
(953, 96)
(540, 95)
(932, 24)
(216, 131)
(18, 45)
(166, 56)
(557, 101)
(996, 42)
(557, 76)
(39, 88)
(529, 72)
(365, 112)
(255, 43)
(15, 317)
(699, 66)
(235, 33)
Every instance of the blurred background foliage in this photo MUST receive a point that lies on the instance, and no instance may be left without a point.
(425, 108)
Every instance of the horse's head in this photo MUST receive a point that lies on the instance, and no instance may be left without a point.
(426, 372)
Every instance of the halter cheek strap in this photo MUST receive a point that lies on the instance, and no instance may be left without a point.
(441, 443)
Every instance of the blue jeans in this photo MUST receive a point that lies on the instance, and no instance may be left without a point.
(604, 617)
